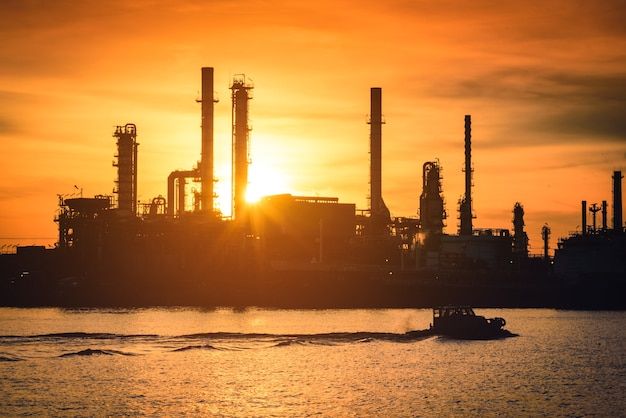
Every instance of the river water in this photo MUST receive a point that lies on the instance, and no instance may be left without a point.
(292, 363)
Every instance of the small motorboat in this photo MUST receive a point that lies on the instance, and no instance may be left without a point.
(461, 322)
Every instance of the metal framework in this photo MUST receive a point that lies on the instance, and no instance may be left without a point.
(126, 168)
(241, 95)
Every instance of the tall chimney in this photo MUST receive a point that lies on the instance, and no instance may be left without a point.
(584, 217)
(617, 201)
(379, 213)
(376, 123)
(466, 202)
(206, 165)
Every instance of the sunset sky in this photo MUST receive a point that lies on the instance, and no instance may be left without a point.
(545, 83)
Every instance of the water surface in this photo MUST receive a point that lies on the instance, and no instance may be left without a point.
(257, 362)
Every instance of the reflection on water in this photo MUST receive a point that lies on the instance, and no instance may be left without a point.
(294, 363)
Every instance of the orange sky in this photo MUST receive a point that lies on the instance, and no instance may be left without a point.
(545, 85)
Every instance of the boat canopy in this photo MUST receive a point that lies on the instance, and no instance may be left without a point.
(447, 311)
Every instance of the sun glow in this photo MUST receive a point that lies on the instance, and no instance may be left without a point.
(265, 181)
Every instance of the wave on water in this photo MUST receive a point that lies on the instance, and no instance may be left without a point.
(94, 335)
(85, 344)
(238, 341)
(92, 352)
(9, 358)
(197, 347)
(333, 337)
(287, 343)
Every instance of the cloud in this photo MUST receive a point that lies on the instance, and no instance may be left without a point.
(546, 106)
(13, 103)
(602, 121)
(7, 127)
(536, 84)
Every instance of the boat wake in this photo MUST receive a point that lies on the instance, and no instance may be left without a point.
(95, 352)
(84, 344)
(4, 358)
(197, 347)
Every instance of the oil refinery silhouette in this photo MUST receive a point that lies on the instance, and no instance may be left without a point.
(303, 251)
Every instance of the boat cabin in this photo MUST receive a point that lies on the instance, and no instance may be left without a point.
(448, 311)
(462, 322)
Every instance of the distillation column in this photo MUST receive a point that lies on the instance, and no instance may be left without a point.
(206, 165)
(241, 95)
(466, 202)
(432, 212)
(545, 235)
(126, 168)
(520, 238)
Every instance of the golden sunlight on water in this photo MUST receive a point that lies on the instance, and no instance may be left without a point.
(172, 362)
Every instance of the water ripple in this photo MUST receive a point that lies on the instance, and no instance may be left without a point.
(94, 352)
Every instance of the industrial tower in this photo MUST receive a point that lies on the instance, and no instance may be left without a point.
(204, 172)
(241, 95)
(206, 165)
(617, 201)
(379, 213)
(520, 238)
(465, 204)
(432, 212)
(126, 168)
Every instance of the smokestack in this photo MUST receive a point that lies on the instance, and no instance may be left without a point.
(617, 201)
(584, 213)
(604, 210)
(379, 214)
(376, 123)
(466, 202)
(206, 165)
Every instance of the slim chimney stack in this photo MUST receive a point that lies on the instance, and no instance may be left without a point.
(466, 202)
(376, 121)
(206, 165)
(584, 216)
(617, 201)
(379, 213)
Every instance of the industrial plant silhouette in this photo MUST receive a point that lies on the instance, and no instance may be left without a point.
(302, 251)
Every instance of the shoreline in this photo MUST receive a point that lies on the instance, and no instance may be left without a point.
(319, 293)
